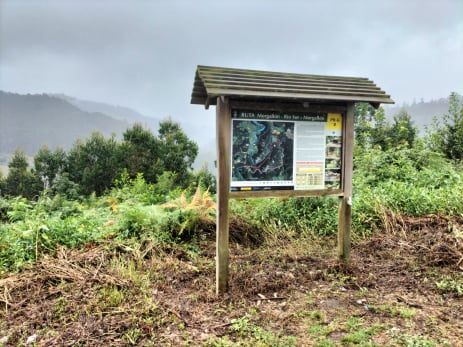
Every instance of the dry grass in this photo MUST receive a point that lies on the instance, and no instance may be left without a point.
(284, 286)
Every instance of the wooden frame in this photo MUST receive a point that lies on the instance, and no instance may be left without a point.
(345, 201)
(223, 130)
(244, 89)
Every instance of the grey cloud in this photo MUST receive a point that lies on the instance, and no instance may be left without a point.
(143, 53)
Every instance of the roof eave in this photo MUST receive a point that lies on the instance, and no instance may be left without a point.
(205, 94)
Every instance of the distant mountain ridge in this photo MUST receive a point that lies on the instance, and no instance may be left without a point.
(33, 120)
(57, 120)
(118, 112)
(30, 121)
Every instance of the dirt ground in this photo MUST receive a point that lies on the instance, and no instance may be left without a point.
(403, 287)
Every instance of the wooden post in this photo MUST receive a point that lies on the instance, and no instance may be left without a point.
(223, 131)
(345, 202)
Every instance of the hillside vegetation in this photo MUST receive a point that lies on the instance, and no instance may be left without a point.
(133, 263)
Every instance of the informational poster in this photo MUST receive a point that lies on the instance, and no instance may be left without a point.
(285, 150)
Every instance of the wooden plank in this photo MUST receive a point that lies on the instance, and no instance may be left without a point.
(274, 80)
(285, 193)
(198, 100)
(279, 82)
(208, 70)
(298, 96)
(307, 89)
(293, 87)
(345, 202)
(223, 131)
(288, 106)
(327, 81)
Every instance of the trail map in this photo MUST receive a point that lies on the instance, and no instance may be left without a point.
(262, 150)
(285, 150)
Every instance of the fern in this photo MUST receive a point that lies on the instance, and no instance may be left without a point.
(201, 202)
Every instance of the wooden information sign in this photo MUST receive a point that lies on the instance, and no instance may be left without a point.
(282, 135)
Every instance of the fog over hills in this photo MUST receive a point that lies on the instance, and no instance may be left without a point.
(30, 121)
(422, 112)
(117, 112)
(57, 120)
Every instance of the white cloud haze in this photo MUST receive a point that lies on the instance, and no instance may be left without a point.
(143, 54)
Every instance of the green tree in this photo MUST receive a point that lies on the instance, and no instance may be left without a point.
(63, 186)
(139, 153)
(403, 131)
(447, 136)
(20, 180)
(381, 133)
(48, 165)
(363, 123)
(177, 151)
(92, 163)
(2, 184)
(372, 130)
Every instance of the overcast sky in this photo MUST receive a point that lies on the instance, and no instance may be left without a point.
(143, 54)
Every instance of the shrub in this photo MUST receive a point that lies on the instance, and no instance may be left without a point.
(411, 182)
(318, 215)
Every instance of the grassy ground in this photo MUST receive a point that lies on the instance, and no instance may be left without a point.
(402, 288)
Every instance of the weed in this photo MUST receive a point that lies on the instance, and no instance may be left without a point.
(450, 285)
(406, 312)
(60, 306)
(259, 336)
(127, 269)
(394, 311)
(362, 292)
(353, 323)
(320, 330)
(325, 343)
(242, 326)
(218, 342)
(111, 296)
(339, 280)
(302, 314)
(412, 341)
(132, 336)
(362, 336)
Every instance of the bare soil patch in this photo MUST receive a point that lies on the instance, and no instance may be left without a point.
(284, 290)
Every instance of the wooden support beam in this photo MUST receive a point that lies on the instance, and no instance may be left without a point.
(223, 131)
(345, 202)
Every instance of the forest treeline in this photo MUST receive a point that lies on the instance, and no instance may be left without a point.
(143, 187)
(444, 135)
(98, 163)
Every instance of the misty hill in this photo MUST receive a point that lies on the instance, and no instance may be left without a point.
(33, 120)
(30, 121)
(422, 113)
(117, 112)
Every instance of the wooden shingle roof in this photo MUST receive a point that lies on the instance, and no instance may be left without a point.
(212, 82)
